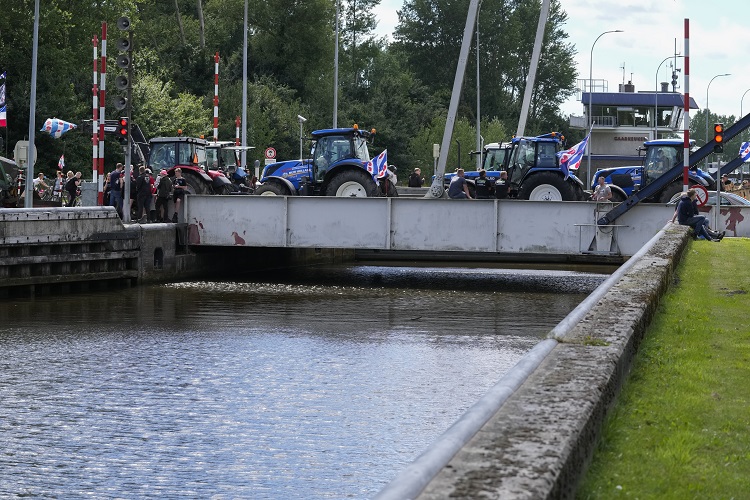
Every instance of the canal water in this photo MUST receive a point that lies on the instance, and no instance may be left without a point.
(308, 384)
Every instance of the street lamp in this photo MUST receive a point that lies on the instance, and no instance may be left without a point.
(591, 90)
(301, 119)
(479, 119)
(656, 96)
(743, 97)
(708, 113)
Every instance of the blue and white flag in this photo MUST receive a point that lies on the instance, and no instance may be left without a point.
(745, 151)
(378, 166)
(56, 127)
(571, 158)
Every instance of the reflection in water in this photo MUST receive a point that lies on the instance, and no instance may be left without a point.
(293, 387)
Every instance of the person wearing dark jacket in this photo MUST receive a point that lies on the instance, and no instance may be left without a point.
(71, 186)
(143, 194)
(484, 187)
(415, 179)
(687, 214)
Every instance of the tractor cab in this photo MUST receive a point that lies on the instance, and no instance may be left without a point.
(531, 154)
(189, 154)
(222, 156)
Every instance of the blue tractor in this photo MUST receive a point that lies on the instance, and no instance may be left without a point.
(338, 168)
(534, 171)
(661, 155)
(495, 157)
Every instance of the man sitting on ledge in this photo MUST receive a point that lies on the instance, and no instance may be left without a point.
(687, 215)
(458, 188)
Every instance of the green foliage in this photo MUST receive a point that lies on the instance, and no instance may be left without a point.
(463, 132)
(683, 411)
(402, 89)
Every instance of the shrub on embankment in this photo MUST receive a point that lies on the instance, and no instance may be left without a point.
(680, 426)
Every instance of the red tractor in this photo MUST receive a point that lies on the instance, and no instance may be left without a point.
(189, 154)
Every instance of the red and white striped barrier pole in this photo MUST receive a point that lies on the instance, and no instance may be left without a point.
(95, 106)
(102, 117)
(216, 97)
(686, 120)
(237, 122)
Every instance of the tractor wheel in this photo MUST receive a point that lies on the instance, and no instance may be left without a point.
(617, 197)
(670, 191)
(546, 186)
(229, 189)
(196, 184)
(351, 183)
(272, 189)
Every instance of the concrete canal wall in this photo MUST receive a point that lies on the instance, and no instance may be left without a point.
(532, 436)
(50, 250)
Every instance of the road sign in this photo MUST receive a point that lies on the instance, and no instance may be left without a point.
(702, 193)
(270, 153)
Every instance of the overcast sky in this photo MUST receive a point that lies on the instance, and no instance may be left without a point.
(718, 44)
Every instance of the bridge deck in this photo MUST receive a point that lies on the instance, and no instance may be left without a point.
(496, 226)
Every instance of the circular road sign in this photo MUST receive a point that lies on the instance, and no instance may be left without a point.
(270, 153)
(702, 193)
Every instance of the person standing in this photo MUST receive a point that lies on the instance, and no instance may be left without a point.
(57, 187)
(602, 191)
(71, 186)
(501, 186)
(115, 188)
(484, 186)
(142, 194)
(458, 189)
(163, 193)
(415, 179)
(180, 189)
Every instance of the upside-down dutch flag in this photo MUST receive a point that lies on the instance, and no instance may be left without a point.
(570, 159)
(61, 162)
(378, 166)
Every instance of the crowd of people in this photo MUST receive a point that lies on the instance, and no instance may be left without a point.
(150, 194)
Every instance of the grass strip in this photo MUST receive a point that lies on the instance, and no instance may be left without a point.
(681, 426)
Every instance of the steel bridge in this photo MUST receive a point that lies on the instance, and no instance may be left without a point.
(561, 229)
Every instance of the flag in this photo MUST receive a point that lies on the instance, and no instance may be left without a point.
(378, 166)
(56, 127)
(745, 151)
(3, 114)
(570, 159)
(61, 162)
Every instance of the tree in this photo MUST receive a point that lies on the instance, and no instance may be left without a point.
(432, 30)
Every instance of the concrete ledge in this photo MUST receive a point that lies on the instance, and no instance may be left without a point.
(539, 443)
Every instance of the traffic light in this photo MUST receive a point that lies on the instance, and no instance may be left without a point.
(125, 62)
(122, 130)
(718, 137)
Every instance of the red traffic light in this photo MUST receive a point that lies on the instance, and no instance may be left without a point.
(122, 129)
(719, 132)
(718, 137)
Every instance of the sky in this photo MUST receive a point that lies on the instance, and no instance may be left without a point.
(650, 27)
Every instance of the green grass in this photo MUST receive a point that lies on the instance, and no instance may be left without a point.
(681, 425)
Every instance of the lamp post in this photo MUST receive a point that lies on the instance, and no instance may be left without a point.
(708, 112)
(335, 73)
(742, 170)
(591, 91)
(743, 97)
(479, 118)
(656, 97)
(301, 119)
